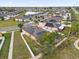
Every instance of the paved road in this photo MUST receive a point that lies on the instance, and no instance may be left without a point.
(11, 28)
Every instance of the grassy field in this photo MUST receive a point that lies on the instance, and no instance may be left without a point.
(8, 23)
(66, 51)
(33, 45)
(5, 49)
(20, 50)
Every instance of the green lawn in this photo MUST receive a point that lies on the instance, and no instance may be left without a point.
(8, 23)
(5, 49)
(20, 50)
(33, 45)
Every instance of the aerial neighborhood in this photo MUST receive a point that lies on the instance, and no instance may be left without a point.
(39, 33)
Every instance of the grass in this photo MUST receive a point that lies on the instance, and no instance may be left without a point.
(5, 48)
(66, 31)
(20, 50)
(66, 51)
(8, 23)
(33, 45)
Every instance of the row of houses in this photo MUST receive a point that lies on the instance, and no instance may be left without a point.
(7, 15)
(51, 22)
(30, 15)
(56, 14)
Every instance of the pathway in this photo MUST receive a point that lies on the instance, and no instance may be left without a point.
(32, 54)
(58, 44)
(11, 46)
(2, 42)
(76, 44)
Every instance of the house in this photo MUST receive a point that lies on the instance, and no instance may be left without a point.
(51, 25)
(7, 15)
(23, 18)
(57, 18)
(31, 16)
(33, 31)
(67, 16)
(31, 13)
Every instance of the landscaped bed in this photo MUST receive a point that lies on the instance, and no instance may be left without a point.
(5, 48)
(33, 45)
(20, 50)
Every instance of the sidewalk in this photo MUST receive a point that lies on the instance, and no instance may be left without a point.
(76, 44)
(32, 54)
(11, 46)
(58, 44)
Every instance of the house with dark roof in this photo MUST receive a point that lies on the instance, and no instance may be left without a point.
(23, 18)
(33, 31)
(55, 25)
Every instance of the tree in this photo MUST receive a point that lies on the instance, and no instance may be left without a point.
(20, 26)
(48, 41)
(36, 21)
(2, 18)
(75, 27)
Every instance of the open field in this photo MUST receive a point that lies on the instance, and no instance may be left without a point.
(5, 49)
(20, 50)
(8, 23)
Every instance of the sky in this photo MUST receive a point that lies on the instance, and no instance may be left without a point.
(38, 3)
